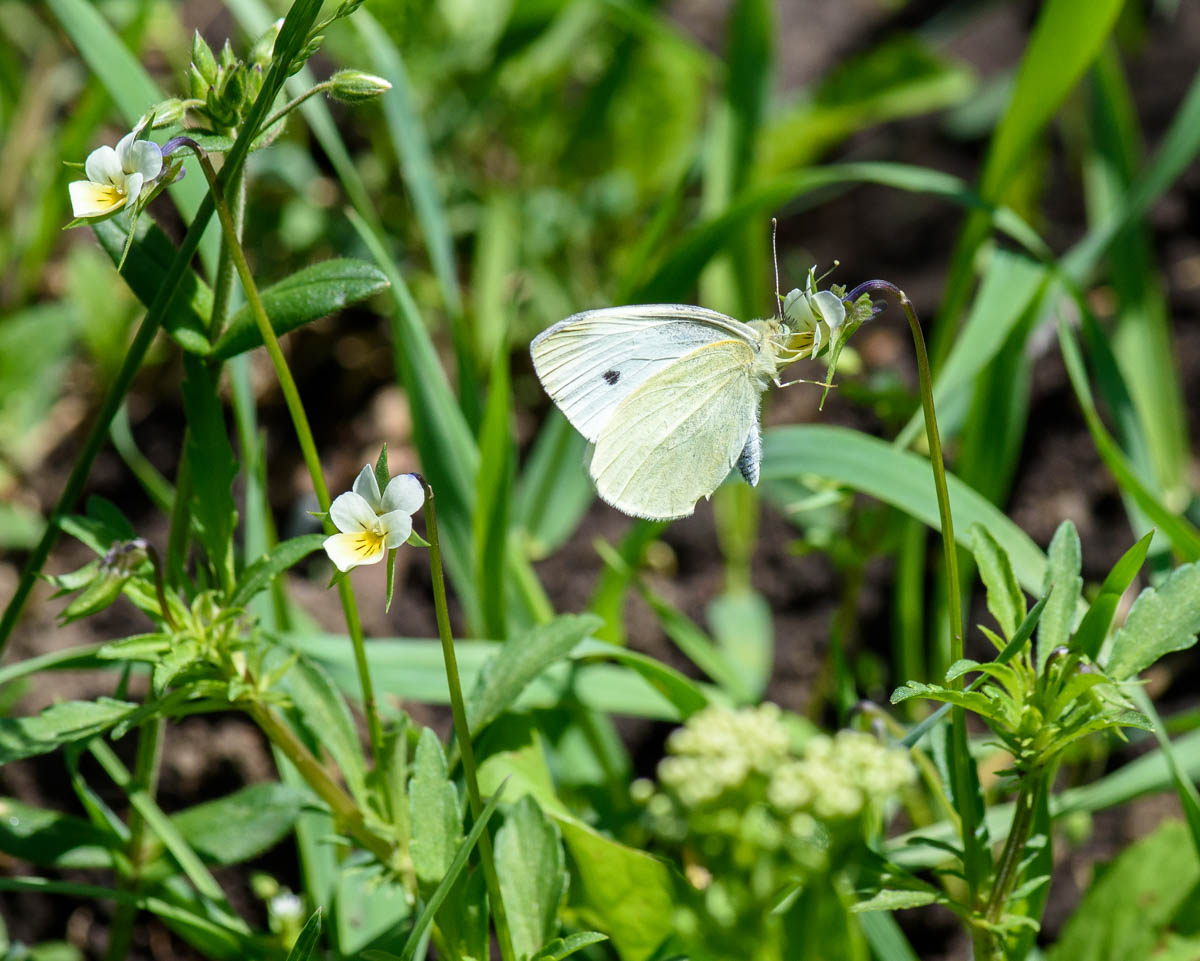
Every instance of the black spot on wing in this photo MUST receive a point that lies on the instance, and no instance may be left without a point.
(611, 376)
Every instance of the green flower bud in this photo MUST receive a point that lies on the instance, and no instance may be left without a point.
(166, 114)
(203, 60)
(354, 86)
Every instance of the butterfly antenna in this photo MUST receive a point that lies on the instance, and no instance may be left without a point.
(775, 259)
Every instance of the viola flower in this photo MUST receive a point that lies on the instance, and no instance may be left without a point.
(371, 523)
(818, 312)
(116, 178)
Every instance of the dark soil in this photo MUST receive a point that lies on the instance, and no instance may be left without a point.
(874, 232)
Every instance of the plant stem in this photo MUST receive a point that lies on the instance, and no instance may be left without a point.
(1010, 858)
(293, 104)
(308, 448)
(963, 782)
(345, 812)
(145, 778)
(461, 730)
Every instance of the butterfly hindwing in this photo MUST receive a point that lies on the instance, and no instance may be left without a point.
(675, 438)
(593, 361)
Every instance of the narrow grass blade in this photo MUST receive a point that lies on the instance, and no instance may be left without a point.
(306, 940)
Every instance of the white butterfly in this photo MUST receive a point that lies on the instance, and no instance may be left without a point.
(669, 394)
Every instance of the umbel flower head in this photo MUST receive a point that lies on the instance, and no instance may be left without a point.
(116, 178)
(371, 523)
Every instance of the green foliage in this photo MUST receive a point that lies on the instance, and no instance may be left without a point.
(533, 876)
(264, 814)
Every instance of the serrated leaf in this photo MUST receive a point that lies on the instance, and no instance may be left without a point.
(241, 825)
(1062, 587)
(57, 725)
(433, 808)
(519, 661)
(258, 576)
(305, 296)
(177, 659)
(531, 867)
(1005, 599)
(1162, 619)
(960, 667)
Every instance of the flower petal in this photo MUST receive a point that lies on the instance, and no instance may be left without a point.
(404, 493)
(833, 311)
(398, 525)
(350, 513)
(350, 550)
(144, 157)
(94, 200)
(133, 188)
(103, 167)
(367, 487)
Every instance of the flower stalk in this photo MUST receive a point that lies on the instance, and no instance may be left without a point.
(461, 730)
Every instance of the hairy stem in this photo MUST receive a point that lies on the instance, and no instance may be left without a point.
(461, 731)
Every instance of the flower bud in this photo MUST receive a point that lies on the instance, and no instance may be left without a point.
(203, 59)
(166, 114)
(354, 86)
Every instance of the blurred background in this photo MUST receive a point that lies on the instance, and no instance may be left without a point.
(539, 157)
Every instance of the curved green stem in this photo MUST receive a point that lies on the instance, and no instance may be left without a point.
(293, 104)
(461, 730)
(308, 447)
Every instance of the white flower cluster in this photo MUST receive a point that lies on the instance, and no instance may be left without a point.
(840, 776)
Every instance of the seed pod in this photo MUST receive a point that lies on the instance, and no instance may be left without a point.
(354, 86)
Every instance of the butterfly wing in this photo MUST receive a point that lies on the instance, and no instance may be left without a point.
(675, 438)
(592, 361)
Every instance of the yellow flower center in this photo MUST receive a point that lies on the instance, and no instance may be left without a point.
(369, 543)
(111, 194)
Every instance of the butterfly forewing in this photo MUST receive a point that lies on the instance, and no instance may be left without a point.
(593, 361)
(675, 438)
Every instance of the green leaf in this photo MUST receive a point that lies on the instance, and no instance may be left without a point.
(307, 295)
(1089, 636)
(622, 891)
(742, 626)
(1065, 40)
(1004, 597)
(1131, 907)
(149, 258)
(367, 908)
(209, 450)
(139, 647)
(1062, 586)
(241, 825)
(435, 901)
(899, 900)
(677, 688)
(884, 936)
(433, 807)
(306, 941)
(554, 491)
(327, 719)
(493, 493)
(1162, 619)
(531, 868)
(258, 576)
(57, 725)
(52, 839)
(561, 948)
(895, 477)
(519, 661)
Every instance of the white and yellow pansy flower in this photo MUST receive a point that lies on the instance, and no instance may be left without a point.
(371, 523)
(116, 179)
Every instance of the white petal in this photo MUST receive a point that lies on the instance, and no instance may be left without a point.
(133, 187)
(123, 146)
(367, 487)
(351, 550)
(94, 200)
(833, 311)
(103, 167)
(404, 493)
(398, 525)
(350, 513)
(144, 157)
